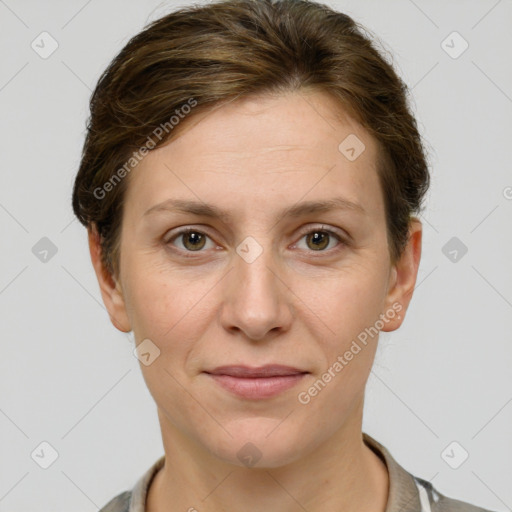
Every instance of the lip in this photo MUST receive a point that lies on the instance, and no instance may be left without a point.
(269, 370)
(256, 383)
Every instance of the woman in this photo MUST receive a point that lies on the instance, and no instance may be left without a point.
(250, 181)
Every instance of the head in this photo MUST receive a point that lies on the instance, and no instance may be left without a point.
(225, 120)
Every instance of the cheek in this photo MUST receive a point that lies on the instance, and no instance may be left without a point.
(345, 302)
(163, 304)
(348, 308)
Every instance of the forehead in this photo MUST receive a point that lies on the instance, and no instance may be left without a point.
(269, 149)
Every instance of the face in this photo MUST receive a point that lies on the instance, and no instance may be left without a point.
(264, 275)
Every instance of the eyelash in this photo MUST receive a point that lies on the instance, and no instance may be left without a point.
(342, 241)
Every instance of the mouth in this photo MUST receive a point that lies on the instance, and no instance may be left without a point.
(256, 383)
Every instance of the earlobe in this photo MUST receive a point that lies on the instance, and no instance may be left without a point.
(110, 288)
(403, 278)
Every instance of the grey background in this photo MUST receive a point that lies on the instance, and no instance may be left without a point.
(69, 378)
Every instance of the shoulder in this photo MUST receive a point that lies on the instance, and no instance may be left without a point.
(120, 503)
(433, 501)
(409, 493)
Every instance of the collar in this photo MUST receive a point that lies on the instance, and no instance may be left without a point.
(404, 493)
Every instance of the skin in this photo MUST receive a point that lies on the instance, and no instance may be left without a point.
(295, 304)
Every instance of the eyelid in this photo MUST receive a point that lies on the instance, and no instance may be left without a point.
(322, 227)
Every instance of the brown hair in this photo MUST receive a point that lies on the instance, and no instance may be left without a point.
(214, 53)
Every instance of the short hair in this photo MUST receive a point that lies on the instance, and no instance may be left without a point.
(208, 55)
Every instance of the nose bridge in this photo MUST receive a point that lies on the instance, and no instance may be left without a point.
(255, 300)
(253, 266)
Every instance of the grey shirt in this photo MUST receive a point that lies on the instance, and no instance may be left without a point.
(407, 493)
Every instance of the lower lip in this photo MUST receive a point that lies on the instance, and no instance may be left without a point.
(257, 388)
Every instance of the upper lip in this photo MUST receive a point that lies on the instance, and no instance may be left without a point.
(270, 370)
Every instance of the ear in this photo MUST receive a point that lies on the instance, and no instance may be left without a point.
(402, 279)
(110, 287)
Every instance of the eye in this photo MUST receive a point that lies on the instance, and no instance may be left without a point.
(192, 239)
(318, 239)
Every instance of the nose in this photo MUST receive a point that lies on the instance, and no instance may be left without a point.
(257, 300)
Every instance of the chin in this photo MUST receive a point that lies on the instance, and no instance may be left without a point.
(258, 443)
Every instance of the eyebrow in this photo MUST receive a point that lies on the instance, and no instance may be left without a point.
(202, 209)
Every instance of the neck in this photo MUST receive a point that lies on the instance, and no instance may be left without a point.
(342, 474)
